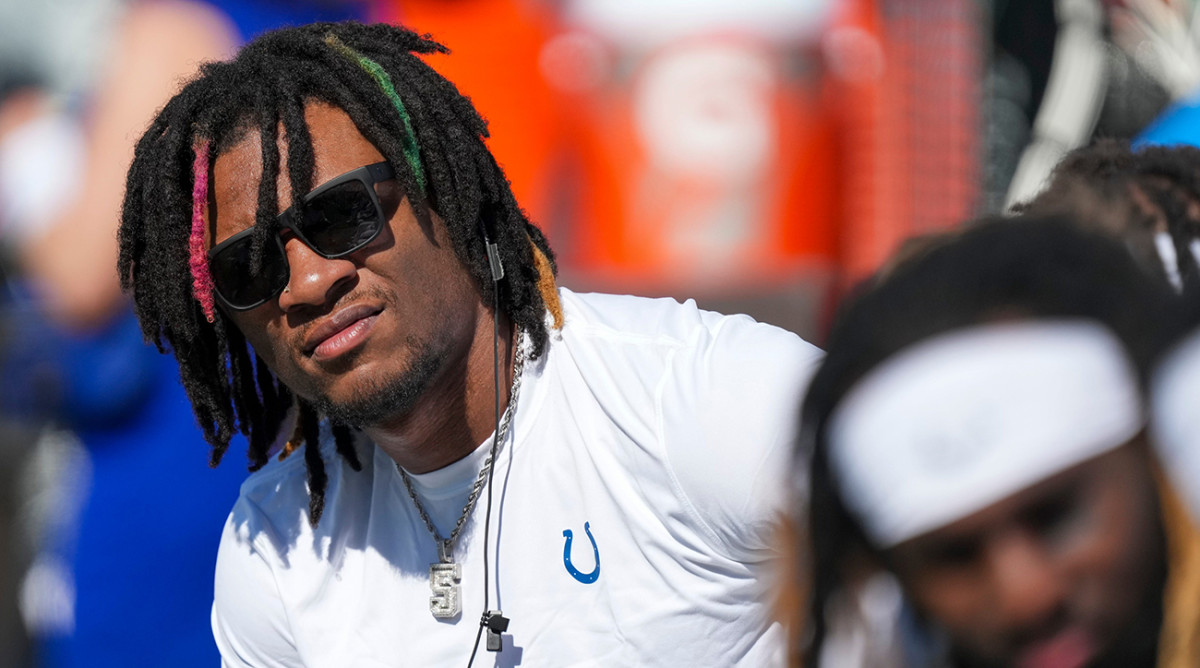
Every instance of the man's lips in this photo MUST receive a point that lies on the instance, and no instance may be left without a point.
(1071, 648)
(340, 331)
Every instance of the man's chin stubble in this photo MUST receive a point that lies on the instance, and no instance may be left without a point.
(384, 399)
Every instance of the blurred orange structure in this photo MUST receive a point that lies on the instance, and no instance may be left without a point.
(908, 79)
(707, 168)
(723, 162)
(495, 47)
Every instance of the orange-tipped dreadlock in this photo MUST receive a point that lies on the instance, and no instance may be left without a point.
(547, 287)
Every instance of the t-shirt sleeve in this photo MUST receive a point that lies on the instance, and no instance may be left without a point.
(730, 414)
(249, 619)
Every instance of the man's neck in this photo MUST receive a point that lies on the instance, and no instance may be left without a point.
(456, 413)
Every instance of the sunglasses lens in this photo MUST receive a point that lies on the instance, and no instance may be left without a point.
(341, 219)
(237, 278)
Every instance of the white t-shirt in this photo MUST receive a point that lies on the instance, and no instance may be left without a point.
(657, 434)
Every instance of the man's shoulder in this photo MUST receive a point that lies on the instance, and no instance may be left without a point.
(602, 315)
(281, 475)
(716, 398)
(668, 322)
(275, 497)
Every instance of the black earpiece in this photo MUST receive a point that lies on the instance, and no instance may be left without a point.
(493, 253)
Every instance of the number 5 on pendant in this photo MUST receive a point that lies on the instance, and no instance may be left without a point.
(443, 582)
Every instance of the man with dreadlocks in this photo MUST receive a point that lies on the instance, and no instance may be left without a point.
(318, 232)
(978, 429)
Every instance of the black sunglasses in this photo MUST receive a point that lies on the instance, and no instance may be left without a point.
(340, 216)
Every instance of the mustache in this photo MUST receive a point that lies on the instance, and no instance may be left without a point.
(354, 295)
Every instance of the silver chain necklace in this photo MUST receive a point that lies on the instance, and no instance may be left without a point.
(445, 575)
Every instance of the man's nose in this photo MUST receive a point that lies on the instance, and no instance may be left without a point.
(1028, 585)
(313, 280)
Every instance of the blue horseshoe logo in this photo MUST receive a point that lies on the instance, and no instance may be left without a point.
(585, 578)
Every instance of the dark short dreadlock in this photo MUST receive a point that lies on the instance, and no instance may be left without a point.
(997, 268)
(430, 134)
(1133, 193)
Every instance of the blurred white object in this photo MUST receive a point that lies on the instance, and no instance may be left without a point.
(659, 21)
(53, 488)
(705, 112)
(960, 421)
(1074, 96)
(1175, 420)
(63, 42)
(47, 597)
(1163, 36)
(41, 163)
(864, 627)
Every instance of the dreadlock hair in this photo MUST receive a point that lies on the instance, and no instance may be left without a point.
(431, 135)
(1135, 194)
(997, 268)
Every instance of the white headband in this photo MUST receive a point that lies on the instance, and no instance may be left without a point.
(963, 420)
(1175, 424)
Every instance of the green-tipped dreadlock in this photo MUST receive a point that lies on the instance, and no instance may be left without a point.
(431, 135)
(412, 152)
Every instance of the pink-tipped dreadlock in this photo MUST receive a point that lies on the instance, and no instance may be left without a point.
(202, 285)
